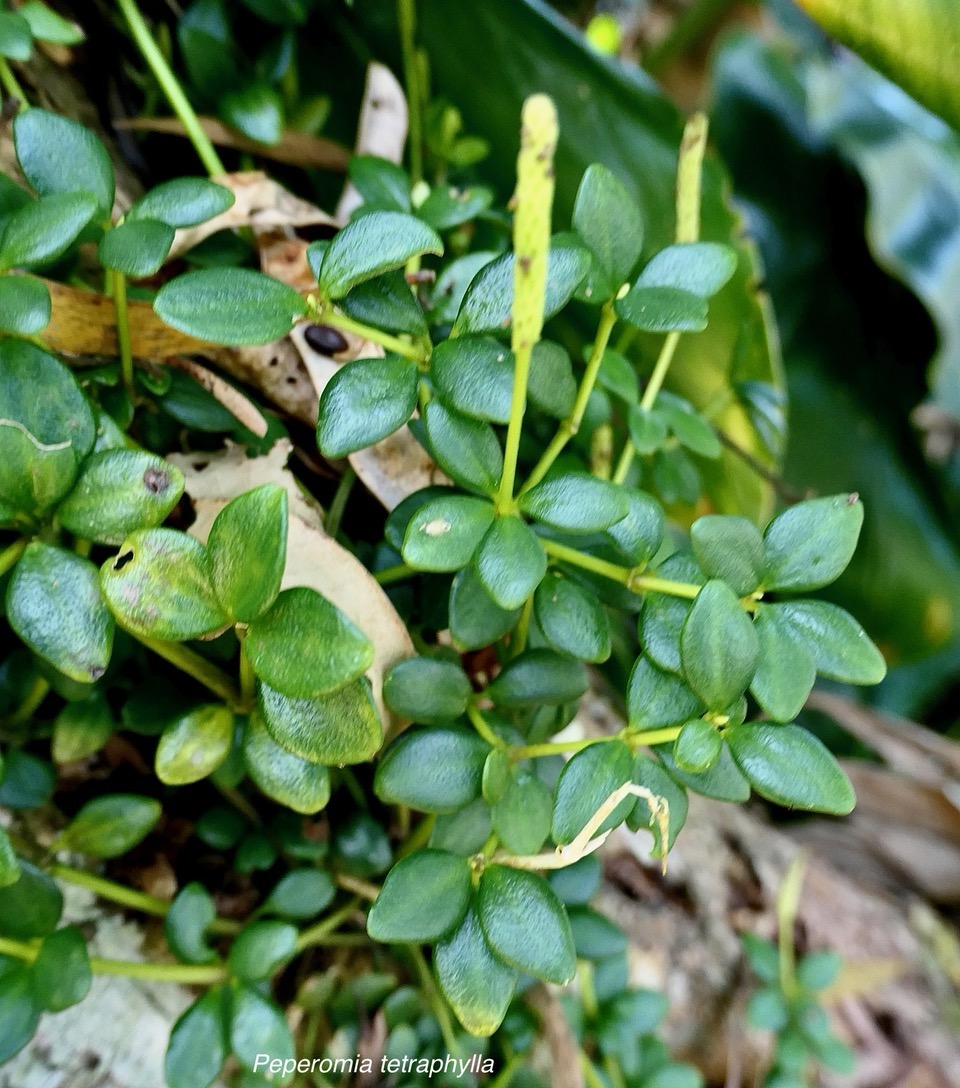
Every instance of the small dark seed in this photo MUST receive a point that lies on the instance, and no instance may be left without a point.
(156, 480)
(324, 339)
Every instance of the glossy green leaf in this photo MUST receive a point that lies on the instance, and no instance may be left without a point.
(618, 376)
(521, 816)
(46, 25)
(386, 302)
(477, 984)
(595, 937)
(465, 831)
(258, 1026)
(692, 430)
(58, 155)
(24, 305)
(817, 970)
(840, 647)
(510, 562)
(718, 646)
(54, 605)
(187, 923)
(197, 1048)
(364, 402)
(639, 535)
(662, 309)
(424, 897)
(578, 883)
(336, 729)
(552, 387)
(9, 865)
(31, 906)
(722, 782)
(432, 770)
(468, 450)
(474, 374)
(362, 847)
(576, 502)
(194, 745)
(261, 949)
(587, 780)
(16, 39)
(428, 690)
(609, 221)
(159, 585)
(371, 245)
(447, 207)
(256, 110)
(330, 650)
(537, 677)
(648, 428)
(476, 620)
(111, 825)
(119, 491)
(810, 544)
(384, 185)
(183, 202)
(525, 923)
(29, 781)
(572, 620)
(729, 548)
(230, 306)
(44, 229)
(294, 782)
(697, 747)
(19, 1010)
(786, 670)
(656, 698)
(787, 764)
(137, 247)
(444, 533)
(301, 894)
(81, 729)
(662, 616)
(702, 268)
(650, 774)
(247, 551)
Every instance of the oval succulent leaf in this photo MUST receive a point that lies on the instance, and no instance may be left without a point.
(444, 533)
(424, 897)
(576, 502)
(111, 825)
(194, 745)
(428, 690)
(718, 646)
(432, 770)
(365, 402)
(510, 562)
(137, 248)
(586, 781)
(183, 202)
(810, 544)
(291, 781)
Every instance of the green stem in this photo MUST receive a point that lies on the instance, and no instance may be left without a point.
(588, 995)
(664, 359)
(354, 884)
(646, 737)
(440, 1008)
(18, 949)
(505, 1075)
(419, 838)
(518, 408)
(407, 19)
(553, 748)
(479, 723)
(248, 679)
(393, 574)
(331, 523)
(571, 425)
(326, 315)
(566, 554)
(170, 86)
(11, 554)
(39, 690)
(788, 903)
(518, 641)
(118, 288)
(11, 84)
(318, 933)
(590, 1074)
(203, 671)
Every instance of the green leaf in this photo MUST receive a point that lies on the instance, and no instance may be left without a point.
(386, 302)
(233, 306)
(371, 245)
(383, 185)
(466, 449)
(256, 110)
(44, 229)
(587, 780)
(16, 39)
(19, 1011)
(657, 698)
(58, 155)
(257, 1026)
(729, 548)
(785, 667)
(336, 729)
(536, 677)
(525, 924)
(465, 831)
(247, 551)
(137, 248)
(447, 207)
(817, 970)
(28, 781)
(595, 937)
(788, 765)
(31, 906)
(427, 689)
(261, 949)
(476, 620)
(9, 866)
(477, 984)
(54, 605)
(578, 883)
(697, 747)
(159, 586)
(197, 1048)
(119, 491)
(701, 268)
(282, 776)
(618, 376)
(607, 218)
(662, 309)
(305, 647)
(474, 374)
(662, 617)
(488, 303)
(61, 975)
(364, 402)
(510, 562)
(48, 26)
(552, 387)
(424, 897)
(810, 544)
(763, 956)
(302, 894)
(647, 772)
(767, 1010)
(718, 646)
(432, 770)
(841, 649)
(690, 428)
(183, 202)
(444, 533)
(194, 745)
(81, 729)
(576, 502)
(572, 620)
(521, 817)
(722, 782)
(187, 923)
(24, 305)
(648, 428)
(639, 535)
(361, 846)
(110, 825)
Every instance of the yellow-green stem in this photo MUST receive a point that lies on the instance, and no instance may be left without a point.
(11, 85)
(354, 884)
(171, 88)
(788, 903)
(437, 1002)
(39, 690)
(248, 679)
(327, 315)
(118, 288)
(393, 574)
(664, 359)
(479, 723)
(11, 554)
(316, 934)
(407, 19)
(203, 671)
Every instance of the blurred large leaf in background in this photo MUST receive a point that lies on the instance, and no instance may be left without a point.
(857, 345)
(487, 56)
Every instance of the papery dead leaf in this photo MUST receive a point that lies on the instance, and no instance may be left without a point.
(313, 558)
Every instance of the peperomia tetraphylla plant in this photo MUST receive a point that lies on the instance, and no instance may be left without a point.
(541, 545)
